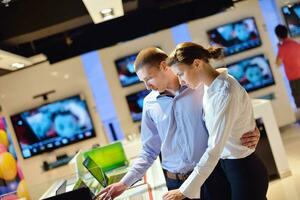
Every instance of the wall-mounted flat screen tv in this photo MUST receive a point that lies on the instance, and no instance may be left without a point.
(135, 102)
(291, 14)
(125, 68)
(53, 125)
(252, 73)
(236, 36)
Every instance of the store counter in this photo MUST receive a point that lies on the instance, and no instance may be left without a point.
(153, 185)
(270, 148)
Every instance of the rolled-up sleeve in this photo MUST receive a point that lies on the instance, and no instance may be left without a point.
(219, 121)
(151, 145)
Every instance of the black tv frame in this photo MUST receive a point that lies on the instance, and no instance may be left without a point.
(131, 94)
(117, 67)
(247, 58)
(233, 23)
(46, 103)
(286, 21)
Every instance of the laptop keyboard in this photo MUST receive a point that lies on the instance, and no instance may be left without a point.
(116, 178)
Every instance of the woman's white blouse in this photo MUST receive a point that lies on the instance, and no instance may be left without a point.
(228, 114)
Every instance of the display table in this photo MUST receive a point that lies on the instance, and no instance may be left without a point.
(270, 149)
(263, 112)
(153, 185)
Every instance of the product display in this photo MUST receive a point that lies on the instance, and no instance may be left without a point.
(236, 37)
(52, 126)
(135, 102)
(125, 68)
(252, 73)
(12, 183)
(291, 15)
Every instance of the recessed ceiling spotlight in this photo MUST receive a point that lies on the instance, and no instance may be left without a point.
(54, 73)
(66, 76)
(107, 13)
(17, 65)
(103, 10)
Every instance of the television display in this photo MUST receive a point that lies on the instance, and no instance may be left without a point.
(52, 126)
(135, 102)
(252, 73)
(125, 68)
(236, 37)
(291, 14)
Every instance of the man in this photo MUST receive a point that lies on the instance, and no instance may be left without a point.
(174, 128)
(289, 55)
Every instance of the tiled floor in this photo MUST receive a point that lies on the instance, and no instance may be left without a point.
(288, 188)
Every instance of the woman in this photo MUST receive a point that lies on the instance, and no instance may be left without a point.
(228, 114)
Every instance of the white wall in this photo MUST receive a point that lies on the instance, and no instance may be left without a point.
(281, 105)
(16, 92)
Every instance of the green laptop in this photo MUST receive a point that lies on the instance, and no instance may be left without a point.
(108, 164)
(109, 157)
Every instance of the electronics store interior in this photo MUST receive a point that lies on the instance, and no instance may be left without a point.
(91, 95)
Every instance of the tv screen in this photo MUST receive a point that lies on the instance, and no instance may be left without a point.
(135, 102)
(252, 73)
(235, 37)
(291, 14)
(125, 68)
(52, 126)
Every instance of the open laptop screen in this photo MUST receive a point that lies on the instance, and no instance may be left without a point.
(96, 171)
(109, 157)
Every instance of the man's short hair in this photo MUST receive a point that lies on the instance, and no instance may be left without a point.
(281, 31)
(151, 56)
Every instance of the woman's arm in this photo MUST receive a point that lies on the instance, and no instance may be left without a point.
(220, 121)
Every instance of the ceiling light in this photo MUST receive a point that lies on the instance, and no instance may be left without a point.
(66, 76)
(54, 73)
(103, 10)
(6, 2)
(107, 13)
(17, 65)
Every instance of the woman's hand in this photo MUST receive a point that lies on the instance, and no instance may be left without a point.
(251, 139)
(173, 195)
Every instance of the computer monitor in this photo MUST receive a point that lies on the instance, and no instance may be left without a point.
(236, 36)
(252, 73)
(53, 125)
(109, 157)
(291, 14)
(135, 102)
(125, 68)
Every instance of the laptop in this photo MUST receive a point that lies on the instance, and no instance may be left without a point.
(102, 177)
(109, 157)
(81, 193)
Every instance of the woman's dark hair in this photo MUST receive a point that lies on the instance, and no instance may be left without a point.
(187, 52)
(281, 31)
